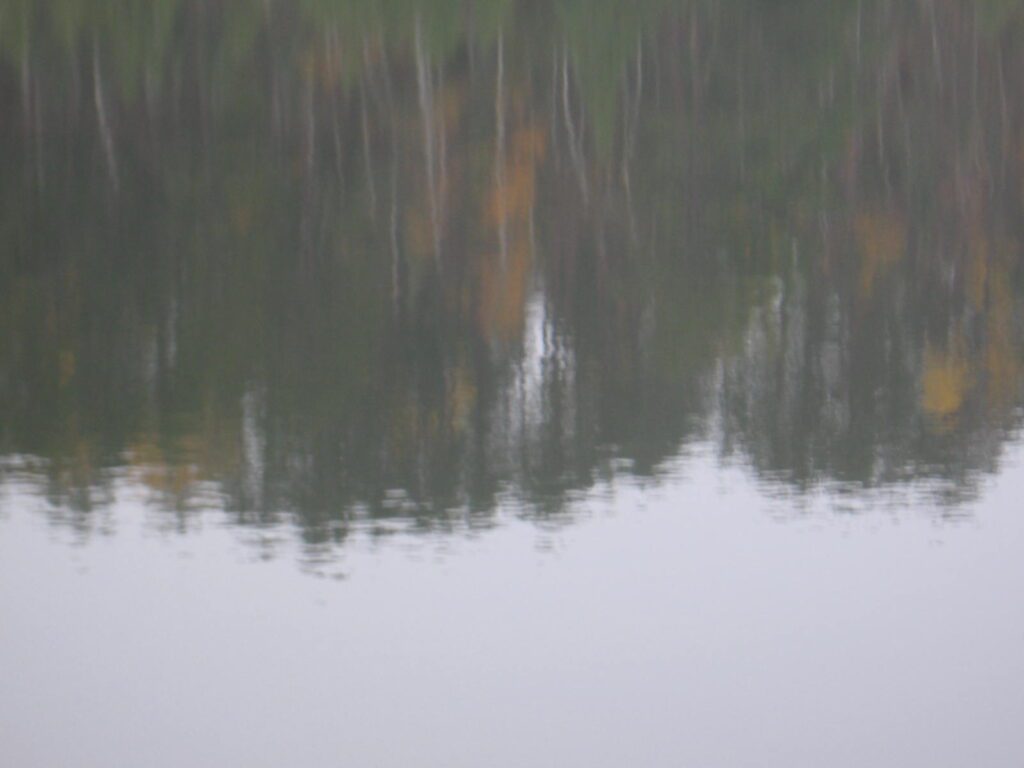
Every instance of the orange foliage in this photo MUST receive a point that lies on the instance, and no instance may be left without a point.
(1002, 360)
(881, 240)
(504, 277)
(944, 382)
(503, 292)
(513, 195)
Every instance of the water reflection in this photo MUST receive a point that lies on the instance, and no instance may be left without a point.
(328, 262)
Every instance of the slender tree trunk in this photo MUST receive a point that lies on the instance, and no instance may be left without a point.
(426, 97)
(575, 150)
(367, 153)
(102, 120)
(499, 151)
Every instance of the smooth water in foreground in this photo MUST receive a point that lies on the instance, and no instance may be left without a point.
(497, 383)
(680, 625)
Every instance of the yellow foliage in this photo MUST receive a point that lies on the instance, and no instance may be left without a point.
(944, 382)
(66, 366)
(1002, 361)
(503, 291)
(990, 293)
(161, 475)
(505, 277)
(514, 193)
(462, 397)
(881, 240)
(425, 223)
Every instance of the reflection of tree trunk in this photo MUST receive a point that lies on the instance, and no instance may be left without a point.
(331, 40)
(310, 141)
(857, 40)
(275, 93)
(176, 97)
(499, 150)
(442, 141)
(936, 58)
(336, 135)
(974, 61)
(385, 67)
(102, 123)
(76, 89)
(631, 110)
(575, 148)
(742, 116)
(905, 125)
(149, 96)
(395, 256)
(26, 90)
(205, 103)
(532, 227)
(1004, 120)
(982, 157)
(37, 122)
(553, 108)
(31, 111)
(694, 51)
(426, 97)
(367, 159)
(883, 160)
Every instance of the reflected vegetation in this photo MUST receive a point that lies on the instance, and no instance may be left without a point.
(320, 262)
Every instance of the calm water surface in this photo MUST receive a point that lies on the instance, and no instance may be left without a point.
(500, 383)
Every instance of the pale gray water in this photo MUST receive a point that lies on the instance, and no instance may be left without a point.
(684, 625)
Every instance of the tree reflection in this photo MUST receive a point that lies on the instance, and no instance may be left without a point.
(329, 261)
